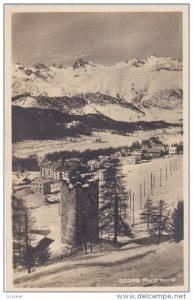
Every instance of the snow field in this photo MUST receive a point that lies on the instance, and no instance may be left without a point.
(41, 147)
(170, 190)
(108, 268)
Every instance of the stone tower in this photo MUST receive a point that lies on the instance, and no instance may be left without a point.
(79, 212)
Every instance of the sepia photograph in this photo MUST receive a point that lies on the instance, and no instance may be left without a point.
(96, 147)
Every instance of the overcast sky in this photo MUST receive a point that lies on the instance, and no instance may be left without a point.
(99, 37)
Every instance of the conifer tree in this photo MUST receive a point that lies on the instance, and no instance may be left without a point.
(18, 233)
(146, 215)
(22, 238)
(178, 222)
(159, 219)
(24, 254)
(41, 256)
(113, 210)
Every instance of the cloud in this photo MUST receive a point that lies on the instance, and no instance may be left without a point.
(121, 40)
(38, 54)
(67, 56)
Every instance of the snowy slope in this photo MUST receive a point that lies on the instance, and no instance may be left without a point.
(107, 268)
(147, 83)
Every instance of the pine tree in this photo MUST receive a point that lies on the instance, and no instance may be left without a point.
(159, 219)
(29, 251)
(178, 222)
(22, 223)
(42, 256)
(114, 203)
(18, 233)
(146, 215)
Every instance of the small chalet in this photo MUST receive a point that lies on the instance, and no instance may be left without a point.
(93, 164)
(41, 185)
(130, 159)
(173, 150)
(154, 152)
(100, 174)
(144, 148)
(103, 158)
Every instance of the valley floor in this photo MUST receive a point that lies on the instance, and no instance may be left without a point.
(42, 147)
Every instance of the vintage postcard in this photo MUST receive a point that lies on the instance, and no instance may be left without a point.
(96, 147)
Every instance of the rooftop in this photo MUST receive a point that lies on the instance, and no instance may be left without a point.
(44, 179)
(84, 183)
(154, 150)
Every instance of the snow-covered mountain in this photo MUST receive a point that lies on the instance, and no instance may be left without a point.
(138, 89)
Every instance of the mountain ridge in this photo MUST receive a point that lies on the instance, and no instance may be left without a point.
(137, 89)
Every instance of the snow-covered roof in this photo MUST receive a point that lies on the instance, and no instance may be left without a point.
(81, 183)
(55, 181)
(173, 147)
(44, 179)
(153, 150)
(101, 170)
(92, 161)
(85, 185)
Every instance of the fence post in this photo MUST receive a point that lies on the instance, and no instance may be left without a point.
(144, 189)
(133, 208)
(140, 197)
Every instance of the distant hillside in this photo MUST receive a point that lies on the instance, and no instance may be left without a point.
(35, 124)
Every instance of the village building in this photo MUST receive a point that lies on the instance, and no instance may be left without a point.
(79, 208)
(57, 170)
(57, 175)
(128, 152)
(152, 143)
(137, 154)
(166, 147)
(55, 186)
(103, 158)
(41, 185)
(115, 155)
(72, 124)
(86, 175)
(73, 160)
(54, 165)
(159, 147)
(180, 148)
(99, 174)
(144, 147)
(154, 153)
(132, 159)
(48, 168)
(33, 156)
(65, 175)
(173, 150)
(93, 164)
